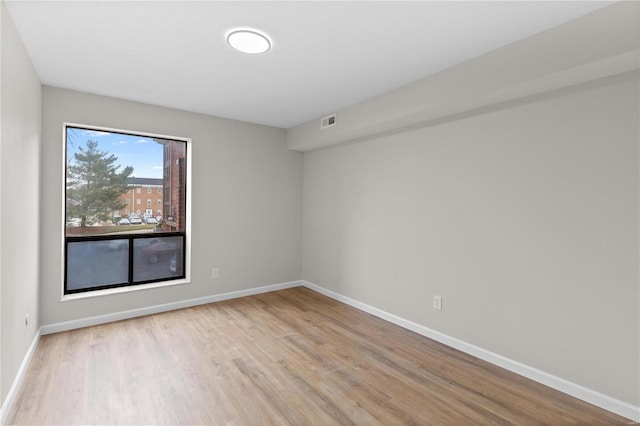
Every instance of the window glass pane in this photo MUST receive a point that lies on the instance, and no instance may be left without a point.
(106, 173)
(157, 258)
(97, 263)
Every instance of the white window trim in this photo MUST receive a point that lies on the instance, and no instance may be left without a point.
(187, 231)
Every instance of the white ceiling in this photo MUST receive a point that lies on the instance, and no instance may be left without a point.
(325, 56)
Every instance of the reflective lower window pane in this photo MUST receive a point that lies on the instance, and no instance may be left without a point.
(97, 263)
(157, 258)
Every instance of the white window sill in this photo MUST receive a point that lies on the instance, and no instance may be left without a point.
(118, 290)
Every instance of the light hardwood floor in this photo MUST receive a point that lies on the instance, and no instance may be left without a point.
(287, 357)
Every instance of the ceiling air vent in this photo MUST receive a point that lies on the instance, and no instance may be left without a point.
(328, 121)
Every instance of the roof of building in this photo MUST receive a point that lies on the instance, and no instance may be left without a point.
(144, 181)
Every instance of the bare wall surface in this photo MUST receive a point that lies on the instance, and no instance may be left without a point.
(246, 202)
(20, 209)
(602, 43)
(524, 219)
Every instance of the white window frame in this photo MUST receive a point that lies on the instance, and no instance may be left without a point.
(187, 230)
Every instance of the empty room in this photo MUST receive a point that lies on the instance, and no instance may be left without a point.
(319, 212)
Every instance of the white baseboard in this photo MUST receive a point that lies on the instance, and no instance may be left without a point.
(596, 398)
(122, 315)
(13, 391)
(588, 395)
(117, 316)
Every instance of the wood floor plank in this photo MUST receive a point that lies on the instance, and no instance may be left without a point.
(288, 357)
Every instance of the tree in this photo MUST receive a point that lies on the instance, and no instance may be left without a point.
(94, 183)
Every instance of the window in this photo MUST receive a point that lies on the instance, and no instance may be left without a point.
(159, 190)
(159, 202)
(104, 250)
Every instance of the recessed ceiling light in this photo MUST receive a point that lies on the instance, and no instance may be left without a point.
(248, 41)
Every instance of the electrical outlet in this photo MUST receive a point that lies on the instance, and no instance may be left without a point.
(437, 302)
(215, 273)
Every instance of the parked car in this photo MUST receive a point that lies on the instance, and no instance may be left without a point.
(152, 221)
(74, 222)
(124, 221)
(135, 221)
(146, 242)
(160, 250)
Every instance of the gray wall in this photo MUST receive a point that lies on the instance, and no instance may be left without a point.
(602, 43)
(246, 202)
(19, 201)
(524, 219)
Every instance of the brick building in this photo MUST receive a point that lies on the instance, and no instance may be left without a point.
(173, 178)
(144, 198)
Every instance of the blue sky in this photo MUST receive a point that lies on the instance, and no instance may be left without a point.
(142, 153)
